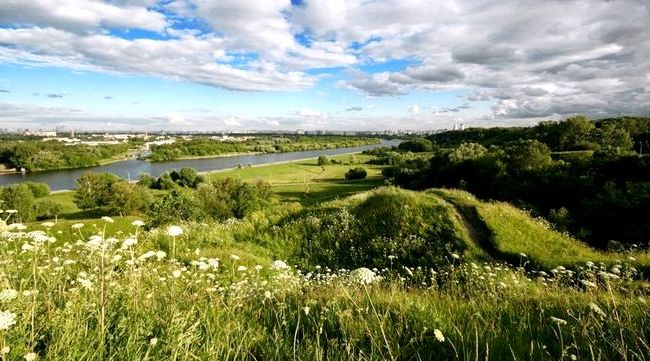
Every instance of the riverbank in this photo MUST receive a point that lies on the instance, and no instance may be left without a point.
(4, 170)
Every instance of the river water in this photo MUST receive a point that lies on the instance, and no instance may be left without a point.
(130, 169)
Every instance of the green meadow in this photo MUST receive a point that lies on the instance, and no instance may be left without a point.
(328, 269)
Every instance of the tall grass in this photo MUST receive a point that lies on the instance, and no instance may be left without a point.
(87, 293)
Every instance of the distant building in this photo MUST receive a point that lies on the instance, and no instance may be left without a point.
(39, 133)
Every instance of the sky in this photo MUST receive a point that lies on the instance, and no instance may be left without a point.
(208, 65)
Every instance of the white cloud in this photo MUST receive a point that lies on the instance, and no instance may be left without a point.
(311, 113)
(414, 109)
(81, 15)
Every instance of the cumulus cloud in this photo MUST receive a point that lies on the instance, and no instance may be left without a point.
(354, 109)
(555, 58)
(414, 109)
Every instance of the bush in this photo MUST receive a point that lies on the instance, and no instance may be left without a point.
(129, 198)
(38, 189)
(20, 198)
(94, 190)
(146, 180)
(178, 205)
(356, 173)
(47, 209)
(324, 160)
(416, 145)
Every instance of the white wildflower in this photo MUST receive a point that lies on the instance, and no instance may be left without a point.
(176, 273)
(439, 336)
(8, 294)
(7, 319)
(161, 254)
(174, 231)
(129, 242)
(47, 224)
(279, 265)
(137, 223)
(234, 257)
(5, 350)
(153, 341)
(363, 276)
(77, 226)
(242, 268)
(30, 356)
(107, 219)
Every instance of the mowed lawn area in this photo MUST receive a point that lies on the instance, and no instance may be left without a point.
(307, 182)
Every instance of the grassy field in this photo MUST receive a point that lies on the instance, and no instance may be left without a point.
(384, 274)
(308, 183)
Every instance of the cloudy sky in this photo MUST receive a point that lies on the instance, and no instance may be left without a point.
(319, 64)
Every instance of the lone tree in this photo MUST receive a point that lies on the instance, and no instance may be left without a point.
(356, 173)
(324, 160)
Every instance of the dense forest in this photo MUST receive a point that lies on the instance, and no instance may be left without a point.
(589, 178)
(205, 147)
(34, 155)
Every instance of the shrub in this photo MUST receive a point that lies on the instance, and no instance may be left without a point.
(324, 160)
(356, 173)
(20, 198)
(146, 180)
(129, 198)
(416, 145)
(38, 189)
(178, 205)
(95, 189)
(47, 209)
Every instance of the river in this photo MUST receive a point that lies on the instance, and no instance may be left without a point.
(130, 169)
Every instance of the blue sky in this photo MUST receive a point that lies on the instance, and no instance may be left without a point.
(237, 65)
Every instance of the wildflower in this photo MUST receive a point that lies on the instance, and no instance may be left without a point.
(30, 356)
(5, 350)
(267, 294)
(391, 257)
(363, 276)
(153, 341)
(306, 310)
(11, 211)
(590, 264)
(77, 226)
(85, 283)
(596, 309)
(439, 336)
(174, 231)
(242, 268)
(279, 265)
(161, 254)
(129, 242)
(523, 255)
(8, 295)
(234, 257)
(17, 227)
(455, 256)
(47, 224)
(559, 321)
(7, 319)
(137, 223)
(107, 219)
(258, 267)
(502, 285)
(176, 273)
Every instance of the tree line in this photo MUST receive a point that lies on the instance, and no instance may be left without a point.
(49, 155)
(205, 146)
(588, 178)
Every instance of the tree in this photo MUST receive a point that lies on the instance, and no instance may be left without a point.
(129, 198)
(417, 145)
(38, 189)
(324, 160)
(576, 135)
(528, 155)
(467, 151)
(19, 198)
(95, 190)
(178, 205)
(356, 173)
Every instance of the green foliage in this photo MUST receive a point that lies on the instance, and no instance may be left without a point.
(47, 209)
(324, 160)
(417, 145)
(186, 177)
(94, 190)
(18, 197)
(179, 205)
(38, 155)
(390, 227)
(206, 147)
(129, 198)
(467, 151)
(219, 200)
(356, 173)
(39, 190)
(146, 180)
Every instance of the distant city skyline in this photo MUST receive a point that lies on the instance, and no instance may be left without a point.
(336, 65)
